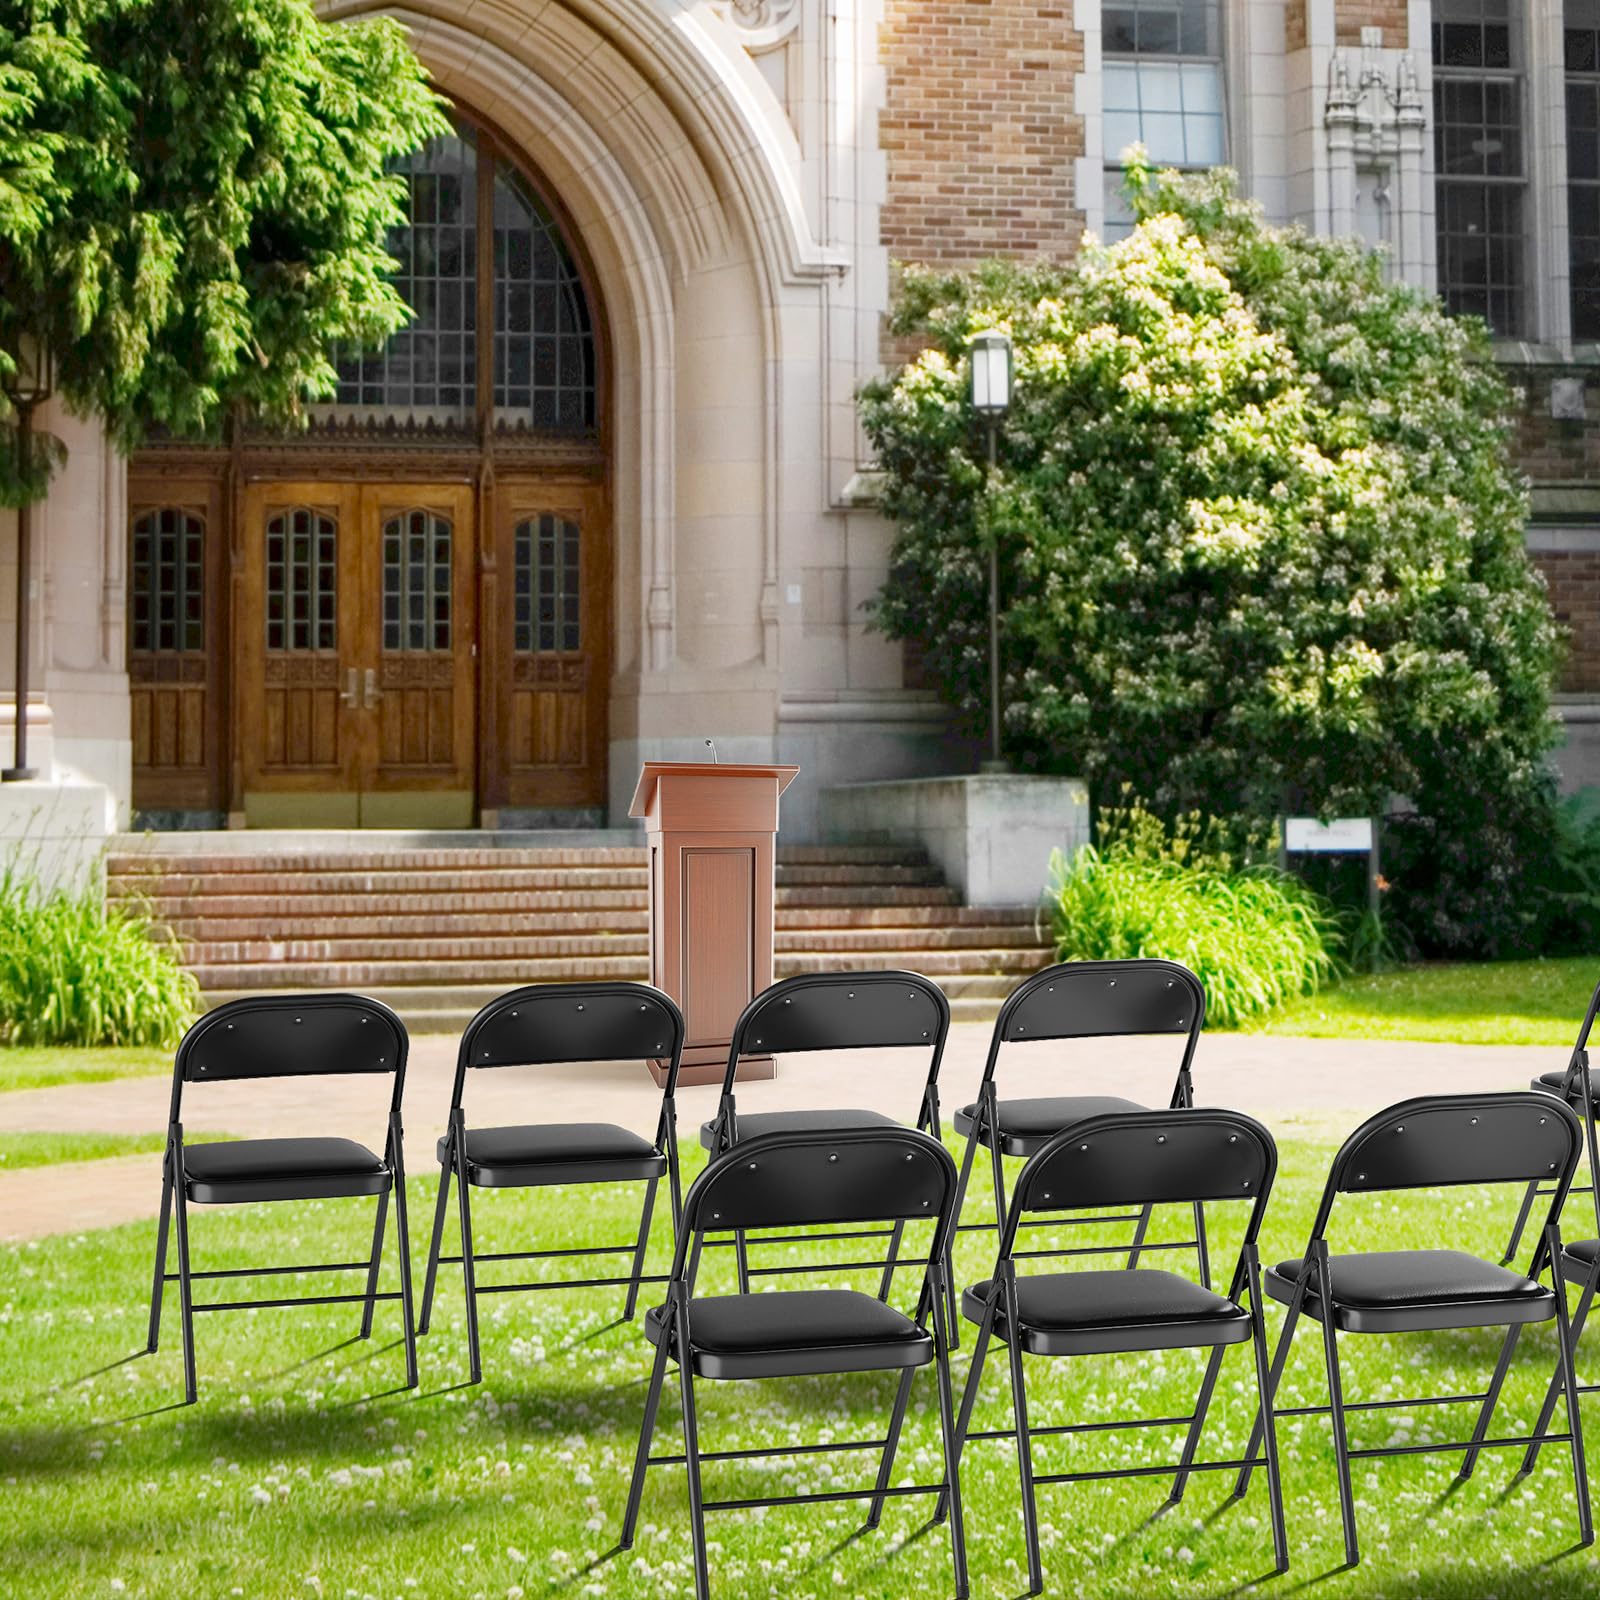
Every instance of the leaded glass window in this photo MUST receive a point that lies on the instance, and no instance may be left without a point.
(168, 581)
(1479, 160)
(543, 347)
(416, 581)
(302, 581)
(546, 578)
(1582, 40)
(1162, 87)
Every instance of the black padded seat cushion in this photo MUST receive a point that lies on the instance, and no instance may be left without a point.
(1402, 1291)
(1554, 1080)
(795, 1332)
(1082, 1313)
(557, 1152)
(237, 1171)
(1583, 1251)
(753, 1126)
(1028, 1125)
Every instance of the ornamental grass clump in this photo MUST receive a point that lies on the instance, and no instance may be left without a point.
(76, 969)
(1254, 936)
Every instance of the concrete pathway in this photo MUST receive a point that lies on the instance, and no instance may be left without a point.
(1305, 1087)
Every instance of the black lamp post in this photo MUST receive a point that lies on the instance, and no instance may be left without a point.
(29, 384)
(990, 360)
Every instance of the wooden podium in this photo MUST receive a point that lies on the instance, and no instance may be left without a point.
(712, 829)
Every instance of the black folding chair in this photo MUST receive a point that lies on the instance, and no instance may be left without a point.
(1437, 1141)
(1141, 1158)
(1578, 1087)
(284, 1036)
(807, 1179)
(832, 1011)
(1082, 1000)
(540, 1025)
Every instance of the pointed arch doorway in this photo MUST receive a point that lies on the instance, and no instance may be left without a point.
(399, 618)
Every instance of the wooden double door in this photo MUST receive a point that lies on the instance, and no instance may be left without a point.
(388, 654)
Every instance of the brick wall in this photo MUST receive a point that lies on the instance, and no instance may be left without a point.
(979, 129)
(1351, 16)
(1548, 449)
(1574, 579)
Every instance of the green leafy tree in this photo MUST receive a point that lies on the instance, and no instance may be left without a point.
(1260, 542)
(194, 202)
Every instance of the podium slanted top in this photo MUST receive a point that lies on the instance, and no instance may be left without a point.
(725, 795)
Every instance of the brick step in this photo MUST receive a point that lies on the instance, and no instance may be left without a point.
(202, 921)
(370, 948)
(505, 879)
(862, 946)
(360, 974)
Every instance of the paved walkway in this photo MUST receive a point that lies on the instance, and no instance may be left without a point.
(1296, 1086)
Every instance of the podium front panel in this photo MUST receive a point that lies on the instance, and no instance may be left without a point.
(717, 941)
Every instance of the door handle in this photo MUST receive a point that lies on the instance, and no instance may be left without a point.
(373, 693)
(350, 694)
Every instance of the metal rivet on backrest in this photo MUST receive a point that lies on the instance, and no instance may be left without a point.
(1361, 1177)
(851, 995)
(1020, 1028)
(833, 1155)
(1083, 1147)
(297, 1022)
(1246, 1183)
(230, 1027)
(758, 1041)
(1113, 983)
(1474, 1122)
(1233, 1138)
(1161, 1138)
(911, 1155)
(513, 1013)
(788, 1002)
(753, 1166)
(580, 1008)
(1401, 1128)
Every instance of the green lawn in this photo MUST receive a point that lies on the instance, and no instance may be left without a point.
(44, 1067)
(1505, 1002)
(19, 1150)
(305, 1471)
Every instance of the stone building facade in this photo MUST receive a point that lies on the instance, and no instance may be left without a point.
(607, 499)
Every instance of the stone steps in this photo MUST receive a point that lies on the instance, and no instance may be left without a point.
(438, 932)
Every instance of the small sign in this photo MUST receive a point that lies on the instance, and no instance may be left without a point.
(1342, 836)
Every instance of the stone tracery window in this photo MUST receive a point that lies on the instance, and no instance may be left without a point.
(542, 340)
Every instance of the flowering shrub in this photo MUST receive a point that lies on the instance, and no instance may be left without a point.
(1260, 544)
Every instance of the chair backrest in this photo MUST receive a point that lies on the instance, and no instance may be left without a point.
(292, 1036)
(1437, 1141)
(842, 1011)
(1100, 999)
(819, 1179)
(1150, 1157)
(566, 1022)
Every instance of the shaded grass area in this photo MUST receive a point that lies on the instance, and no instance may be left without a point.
(1493, 1002)
(27, 1067)
(19, 1150)
(306, 1470)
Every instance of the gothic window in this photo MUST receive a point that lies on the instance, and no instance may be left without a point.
(1582, 45)
(542, 341)
(546, 576)
(1479, 160)
(302, 581)
(1163, 88)
(168, 581)
(416, 581)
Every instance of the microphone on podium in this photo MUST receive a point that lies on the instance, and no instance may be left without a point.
(712, 747)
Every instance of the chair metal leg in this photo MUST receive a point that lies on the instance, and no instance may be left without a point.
(969, 1394)
(647, 1429)
(1197, 1422)
(1202, 1248)
(1264, 1393)
(469, 1278)
(1552, 1394)
(446, 1168)
(1280, 1359)
(1490, 1400)
(742, 1256)
(1593, 1143)
(639, 1249)
(997, 1172)
(191, 1389)
(1569, 1381)
(402, 1230)
(1529, 1196)
(373, 1265)
(158, 1287)
(952, 1460)
(691, 1455)
(1019, 1405)
(897, 1417)
(1341, 1441)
